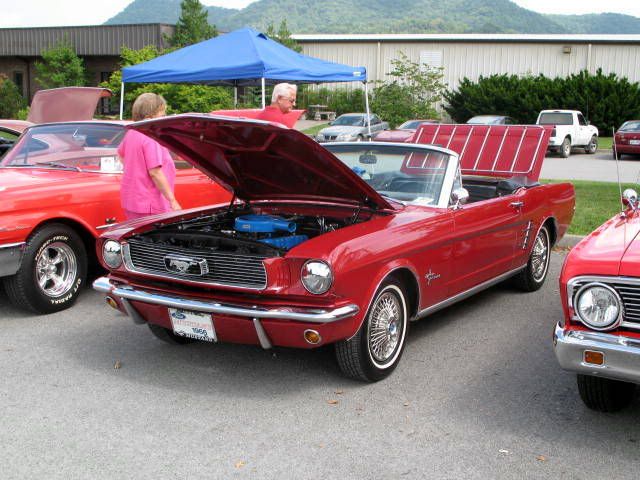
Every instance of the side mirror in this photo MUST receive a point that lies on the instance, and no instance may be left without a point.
(630, 198)
(459, 197)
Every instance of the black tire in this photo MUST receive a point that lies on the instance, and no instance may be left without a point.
(604, 394)
(565, 148)
(592, 147)
(52, 273)
(532, 277)
(359, 138)
(361, 360)
(168, 336)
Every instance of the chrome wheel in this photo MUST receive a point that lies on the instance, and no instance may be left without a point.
(385, 327)
(540, 256)
(56, 269)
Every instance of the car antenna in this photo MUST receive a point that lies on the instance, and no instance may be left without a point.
(615, 154)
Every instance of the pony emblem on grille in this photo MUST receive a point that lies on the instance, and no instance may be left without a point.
(186, 265)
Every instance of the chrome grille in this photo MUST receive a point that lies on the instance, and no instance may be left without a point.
(245, 271)
(629, 291)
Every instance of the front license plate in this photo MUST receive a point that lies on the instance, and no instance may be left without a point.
(196, 325)
(634, 142)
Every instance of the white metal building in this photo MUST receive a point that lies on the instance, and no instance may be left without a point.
(472, 55)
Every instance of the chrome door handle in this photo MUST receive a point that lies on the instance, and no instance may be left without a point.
(516, 204)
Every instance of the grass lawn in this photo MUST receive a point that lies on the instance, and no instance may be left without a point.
(595, 203)
(604, 143)
(316, 129)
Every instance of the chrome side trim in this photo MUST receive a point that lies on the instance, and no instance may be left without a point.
(262, 335)
(10, 258)
(12, 245)
(467, 293)
(622, 354)
(103, 284)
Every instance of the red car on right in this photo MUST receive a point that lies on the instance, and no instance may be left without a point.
(626, 140)
(599, 337)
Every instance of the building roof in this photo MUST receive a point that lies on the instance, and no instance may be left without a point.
(468, 37)
(88, 40)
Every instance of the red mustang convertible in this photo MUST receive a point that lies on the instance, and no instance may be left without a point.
(599, 338)
(339, 244)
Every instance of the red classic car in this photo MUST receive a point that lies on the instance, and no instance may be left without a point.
(627, 139)
(58, 185)
(404, 133)
(599, 337)
(344, 244)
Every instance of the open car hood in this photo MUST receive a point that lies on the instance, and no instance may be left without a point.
(65, 104)
(261, 161)
(506, 151)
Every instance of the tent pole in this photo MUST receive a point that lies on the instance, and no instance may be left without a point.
(263, 104)
(366, 103)
(121, 99)
(235, 95)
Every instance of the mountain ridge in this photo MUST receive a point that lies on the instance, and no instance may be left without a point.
(387, 16)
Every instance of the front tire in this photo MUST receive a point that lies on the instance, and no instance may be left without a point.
(375, 350)
(532, 277)
(52, 272)
(565, 148)
(592, 146)
(604, 394)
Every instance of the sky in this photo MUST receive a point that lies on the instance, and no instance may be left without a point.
(47, 13)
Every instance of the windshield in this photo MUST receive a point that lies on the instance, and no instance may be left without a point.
(407, 174)
(485, 120)
(73, 146)
(352, 120)
(630, 127)
(411, 124)
(554, 118)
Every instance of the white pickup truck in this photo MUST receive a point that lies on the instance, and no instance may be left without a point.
(570, 130)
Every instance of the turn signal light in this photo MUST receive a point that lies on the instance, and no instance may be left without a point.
(312, 337)
(112, 303)
(594, 358)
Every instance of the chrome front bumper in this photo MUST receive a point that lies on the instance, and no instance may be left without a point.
(10, 258)
(621, 354)
(104, 285)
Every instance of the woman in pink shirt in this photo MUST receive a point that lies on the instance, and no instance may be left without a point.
(149, 172)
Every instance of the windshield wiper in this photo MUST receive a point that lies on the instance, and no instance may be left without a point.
(58, 165)
(392, 199)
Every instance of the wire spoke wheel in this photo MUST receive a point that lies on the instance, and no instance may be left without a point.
(385, 327)
(540, 256)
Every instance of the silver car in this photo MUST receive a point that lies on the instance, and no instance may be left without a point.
(351, 127)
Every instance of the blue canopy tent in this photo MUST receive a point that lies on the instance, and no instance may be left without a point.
(243, 57)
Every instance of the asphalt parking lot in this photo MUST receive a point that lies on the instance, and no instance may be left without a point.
(88, 394)
(599, 167)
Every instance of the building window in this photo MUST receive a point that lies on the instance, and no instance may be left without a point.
(431, 58)
(18, 79)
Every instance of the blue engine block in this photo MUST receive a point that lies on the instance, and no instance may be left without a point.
(268, 225)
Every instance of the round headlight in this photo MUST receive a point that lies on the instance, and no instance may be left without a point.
(316, 276)
(598, 306)
(112, 253)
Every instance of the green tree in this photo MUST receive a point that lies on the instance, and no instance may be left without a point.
(193, 25)
(11, 101)
(180, 97)
(60, 67)
(283, 36)
(412, 92)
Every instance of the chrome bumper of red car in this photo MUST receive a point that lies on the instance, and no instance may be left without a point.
(10, 258)
(621, 354)
(309, 315)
